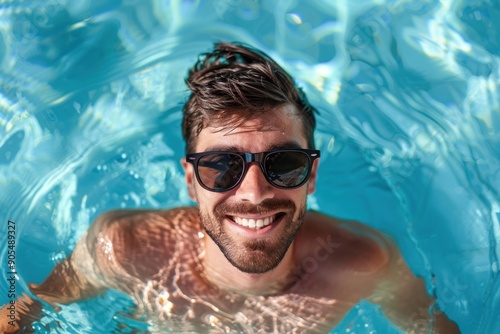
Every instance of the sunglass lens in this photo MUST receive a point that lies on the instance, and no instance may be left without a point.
(287, 169)
(220, 171)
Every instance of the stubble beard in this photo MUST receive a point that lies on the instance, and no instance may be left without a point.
(255, 256)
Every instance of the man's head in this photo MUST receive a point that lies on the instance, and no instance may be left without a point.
(234, 83)
(242, 101)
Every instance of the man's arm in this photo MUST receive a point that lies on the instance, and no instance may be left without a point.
(77, 277)
(64, 285)
(404, 300)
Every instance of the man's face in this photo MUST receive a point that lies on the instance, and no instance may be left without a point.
(253, 250)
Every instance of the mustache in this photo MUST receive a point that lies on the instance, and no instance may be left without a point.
(265, 206)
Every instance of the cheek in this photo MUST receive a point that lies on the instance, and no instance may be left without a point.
(298, 195)
(207, 199)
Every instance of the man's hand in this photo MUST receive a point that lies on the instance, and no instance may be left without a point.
(26, 311)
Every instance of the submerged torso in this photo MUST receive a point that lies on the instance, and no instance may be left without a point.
(160, 264)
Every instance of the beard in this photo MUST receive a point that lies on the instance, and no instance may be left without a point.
(255, 256)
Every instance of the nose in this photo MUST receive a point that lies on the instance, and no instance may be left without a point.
(254, 187)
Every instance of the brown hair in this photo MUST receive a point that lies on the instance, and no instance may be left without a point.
(237, 81)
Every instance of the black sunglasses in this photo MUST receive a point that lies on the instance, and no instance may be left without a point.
(222, 171)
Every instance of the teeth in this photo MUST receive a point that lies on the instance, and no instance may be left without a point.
(254, 223)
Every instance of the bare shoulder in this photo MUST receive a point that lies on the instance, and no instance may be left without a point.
(359, 248)
(147, 218)
(141, 240)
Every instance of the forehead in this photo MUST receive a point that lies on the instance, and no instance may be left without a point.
(280, 127)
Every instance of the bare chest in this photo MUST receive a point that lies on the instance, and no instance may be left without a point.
(179, 309)
(180, 299)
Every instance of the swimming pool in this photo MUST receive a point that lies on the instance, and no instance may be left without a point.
(90, 100)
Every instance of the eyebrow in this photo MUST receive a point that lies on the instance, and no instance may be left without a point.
(232, 148)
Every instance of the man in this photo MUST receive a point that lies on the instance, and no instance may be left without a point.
(250, 257)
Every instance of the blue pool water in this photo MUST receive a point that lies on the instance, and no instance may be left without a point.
(409, 127)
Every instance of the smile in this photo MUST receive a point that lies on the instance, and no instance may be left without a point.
(256, 223)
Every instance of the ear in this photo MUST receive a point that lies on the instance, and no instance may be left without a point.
(311, 184)
(190, 178)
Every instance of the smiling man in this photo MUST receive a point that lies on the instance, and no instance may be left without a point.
(250, 257)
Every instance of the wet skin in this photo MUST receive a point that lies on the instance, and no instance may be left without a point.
(196, 269)
(335, 268)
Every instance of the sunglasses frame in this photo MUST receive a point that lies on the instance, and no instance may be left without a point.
(249, 158)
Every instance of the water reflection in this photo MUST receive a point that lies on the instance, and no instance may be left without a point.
(90, 100)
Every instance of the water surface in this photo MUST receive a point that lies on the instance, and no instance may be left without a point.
(90, 107)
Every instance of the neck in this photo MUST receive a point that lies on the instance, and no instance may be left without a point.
(221, 273)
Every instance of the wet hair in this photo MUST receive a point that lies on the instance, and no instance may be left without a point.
(235, 82)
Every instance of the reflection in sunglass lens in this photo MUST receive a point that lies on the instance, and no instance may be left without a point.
(220, 171)
(287, 169)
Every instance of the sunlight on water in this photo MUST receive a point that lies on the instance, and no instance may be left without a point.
(90, 106)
